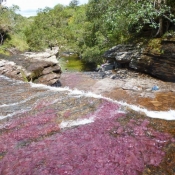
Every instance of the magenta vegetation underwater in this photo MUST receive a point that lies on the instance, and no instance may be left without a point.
(35, 141)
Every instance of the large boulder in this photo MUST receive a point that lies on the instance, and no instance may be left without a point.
(122, 53)
(42, 67)
(157, 61)
(159, 65)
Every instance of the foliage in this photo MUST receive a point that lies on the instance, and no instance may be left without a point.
(47, 30)
(74, 3)
(92, 54)
(142, 13)
(16, 41)
(24, 76)
(90, 29)
(12, 28)
(154, 46)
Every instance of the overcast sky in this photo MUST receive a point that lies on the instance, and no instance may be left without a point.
(29, 7)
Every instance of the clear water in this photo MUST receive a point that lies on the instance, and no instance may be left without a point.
(75, 64)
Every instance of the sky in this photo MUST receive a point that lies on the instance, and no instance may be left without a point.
(30, 7)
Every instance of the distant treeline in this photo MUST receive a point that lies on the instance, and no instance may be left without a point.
(88, 29)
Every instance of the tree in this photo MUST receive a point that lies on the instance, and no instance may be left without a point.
(7, 21)
(156, 14)
(49, 28)
(12, 27)
(92, 28)
(73, 3)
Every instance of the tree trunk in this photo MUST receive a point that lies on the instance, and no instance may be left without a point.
(1, 38)
(157, 4)
(160, 30)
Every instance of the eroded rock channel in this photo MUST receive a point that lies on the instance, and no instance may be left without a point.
(46, 130)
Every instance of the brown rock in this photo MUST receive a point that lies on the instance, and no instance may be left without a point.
(51, 69)
(31, 67)
(49, 79)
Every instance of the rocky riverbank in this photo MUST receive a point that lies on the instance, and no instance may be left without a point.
(41, 67)
(122, 84)
(156, 58)
(127, 86)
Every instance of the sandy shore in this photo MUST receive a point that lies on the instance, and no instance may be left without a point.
(133, 90)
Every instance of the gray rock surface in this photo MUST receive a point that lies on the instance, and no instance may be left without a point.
(159, 65)
(42, 67)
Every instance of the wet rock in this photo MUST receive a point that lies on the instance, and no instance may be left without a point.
(96, 75)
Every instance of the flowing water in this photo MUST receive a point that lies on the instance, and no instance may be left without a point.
(59, 131)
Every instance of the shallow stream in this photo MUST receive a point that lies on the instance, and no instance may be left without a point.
(46, 130)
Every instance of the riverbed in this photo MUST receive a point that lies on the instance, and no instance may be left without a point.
(48, 130)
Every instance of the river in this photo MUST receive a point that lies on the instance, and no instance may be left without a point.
(59, 131)
(72, 63)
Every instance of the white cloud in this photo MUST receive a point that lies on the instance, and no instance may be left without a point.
(29, 8)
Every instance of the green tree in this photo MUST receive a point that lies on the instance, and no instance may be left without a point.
(12, 29)
(92, 28)
(73, 3)
(156, 14)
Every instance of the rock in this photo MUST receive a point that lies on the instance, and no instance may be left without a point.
(132, 88)
(109, 72)
(48, 79)
(107, 67)
(67, 54)
(48, 55)
(55, 69)
(159, 66)
(113, 76)
(147, 60)
(123, 57)
(40, 67)
(112, 53)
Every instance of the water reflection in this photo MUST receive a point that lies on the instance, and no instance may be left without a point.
(73, 63)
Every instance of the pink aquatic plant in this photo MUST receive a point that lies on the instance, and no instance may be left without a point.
(29, 127)
(104, 147)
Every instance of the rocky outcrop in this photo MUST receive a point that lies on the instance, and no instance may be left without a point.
(122, 53)
(158, 62)
(39, 67)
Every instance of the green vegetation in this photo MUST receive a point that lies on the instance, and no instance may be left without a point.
(154, 46)
(24, 76)
(89, 29)
(12, 27)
